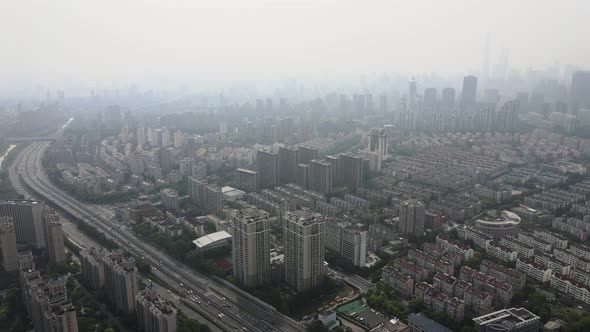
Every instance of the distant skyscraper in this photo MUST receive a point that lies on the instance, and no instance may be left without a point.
(286, 128)
(304, 249)
(430, 96)
(112, 116)
(200, 170)
(197, 190)
(383, 105)
(214, 200)
(351, 171)
(288, 160)
(507, 116)
(54, 238)
(186, 166)
(307, 154)
(251, 247)
(501, 68)
(412, 102)
(28, 220)
(448, 98)
(335, 162)
(369, 103)
(259, 105)
(165, 159)
(320, 176)
(485, 70)
(8, 244)
(523, 101)
(358, 102)
(468, 95)
(170, 199)
(154, 137)
(303, 175)
(411, 217)
(492, 96)
(206, 196)
(378, 142)
(141, 139)
(267, 168)
(166, 138)
(580, 90)
(246, 180)
(179, 139)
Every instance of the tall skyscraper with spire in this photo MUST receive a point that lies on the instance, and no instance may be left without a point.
(580, 90)
(485, 70)
(412, 105)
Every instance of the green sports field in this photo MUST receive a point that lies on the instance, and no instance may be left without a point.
(352, 307)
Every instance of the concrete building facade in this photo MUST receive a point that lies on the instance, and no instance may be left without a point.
(304, 249)
(251, 247)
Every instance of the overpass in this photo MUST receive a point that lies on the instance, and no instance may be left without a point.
(11, 140)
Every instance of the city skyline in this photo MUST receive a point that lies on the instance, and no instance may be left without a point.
(294, 166)
(202, 44)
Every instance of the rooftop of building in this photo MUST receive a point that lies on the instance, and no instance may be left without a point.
(426, 323)
(511, 316)
(209, 239)
(243, 170)
(20, 202)
(169, 192)
(531, 262)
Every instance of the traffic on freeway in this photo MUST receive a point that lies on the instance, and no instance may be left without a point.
(239, 310)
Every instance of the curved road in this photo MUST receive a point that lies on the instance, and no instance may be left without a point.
(235, 308)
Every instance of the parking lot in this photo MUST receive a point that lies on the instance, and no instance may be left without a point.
(372, 318)
(363, 314)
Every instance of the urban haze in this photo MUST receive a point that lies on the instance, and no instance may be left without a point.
(292, 166)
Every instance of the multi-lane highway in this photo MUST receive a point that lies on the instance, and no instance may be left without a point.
(230, 308)
(84, 242)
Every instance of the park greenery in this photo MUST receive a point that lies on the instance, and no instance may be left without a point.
(373, 273)
(186, 324)
(91, 315)
(533, 300)
(12, 311)
(143, 266)
(387, 301)
(384, 299)
(182, 248)
(293, 304)
(96, 235)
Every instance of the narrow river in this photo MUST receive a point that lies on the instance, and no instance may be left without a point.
(67, 123)
(6, 153)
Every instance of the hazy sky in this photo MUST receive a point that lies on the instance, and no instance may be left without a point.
(122, 39)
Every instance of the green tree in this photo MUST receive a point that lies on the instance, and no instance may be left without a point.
(416, 305)
(143, 266)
